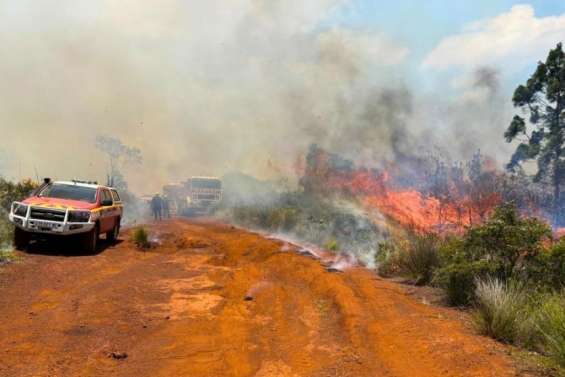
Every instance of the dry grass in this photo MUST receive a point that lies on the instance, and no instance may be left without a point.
(498, 309)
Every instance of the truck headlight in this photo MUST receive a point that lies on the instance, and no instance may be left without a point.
(20, 209)
(79, 216)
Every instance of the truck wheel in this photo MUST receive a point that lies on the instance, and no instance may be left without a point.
(112, 236)
(21, 239)
(90, 241)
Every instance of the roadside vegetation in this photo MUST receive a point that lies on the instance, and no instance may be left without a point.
(140, 238)
(9, 192)
(337, 225)
(6, 229)
(6, 236)
(508, 271)
(7, 256)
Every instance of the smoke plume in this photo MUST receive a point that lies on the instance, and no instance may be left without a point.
(209, 87)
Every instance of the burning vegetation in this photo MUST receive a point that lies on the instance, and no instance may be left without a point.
(488, 237)
(432, 194)
(465, 226)
(423, 195)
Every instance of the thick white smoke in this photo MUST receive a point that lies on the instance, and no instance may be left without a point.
(201, 87)
(209, 87)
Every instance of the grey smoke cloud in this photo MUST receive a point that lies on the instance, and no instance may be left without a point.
(199, 87)
(202, 88)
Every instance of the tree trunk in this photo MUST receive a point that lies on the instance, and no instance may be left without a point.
(556, 200)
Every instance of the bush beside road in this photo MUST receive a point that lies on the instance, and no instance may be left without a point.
(508, 271)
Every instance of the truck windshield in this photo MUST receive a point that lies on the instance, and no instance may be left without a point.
(70, 192)
(204, 183)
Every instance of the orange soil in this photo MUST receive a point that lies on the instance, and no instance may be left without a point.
(179, 310)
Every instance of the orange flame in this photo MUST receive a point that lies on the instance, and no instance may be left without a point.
(411, 208)
(407, 207)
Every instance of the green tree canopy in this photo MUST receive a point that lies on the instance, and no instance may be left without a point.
(542, 134)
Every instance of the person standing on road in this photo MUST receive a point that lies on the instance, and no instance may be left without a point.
(166, 212)
(157, 207)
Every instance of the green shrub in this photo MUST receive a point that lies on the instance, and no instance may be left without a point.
(281, 218)
(387, 259)
(332, 245)
(556, 265)
(6, 238)
(6, 256)
(547, 269)
(420, 258)
(271, 218)
(334, 224)
(140, 238)
(551, 325)
(498, 307)
(504, 247)
(10, 191)
(6, 230)
(507, 240)
(274, 219)
(458, 280)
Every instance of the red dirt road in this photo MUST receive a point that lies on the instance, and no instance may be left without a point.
(179, 310)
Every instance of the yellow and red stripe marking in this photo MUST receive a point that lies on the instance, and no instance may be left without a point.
(63, 206)
(51, 205)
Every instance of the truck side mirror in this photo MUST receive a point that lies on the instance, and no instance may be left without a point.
(107, 202)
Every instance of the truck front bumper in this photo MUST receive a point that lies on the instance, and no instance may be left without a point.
(62, 228)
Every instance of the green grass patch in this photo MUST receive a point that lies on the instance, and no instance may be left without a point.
(551, 327)
(530, 363)
(6, 230)
(140, 238)
(332, 245)
(7, 256)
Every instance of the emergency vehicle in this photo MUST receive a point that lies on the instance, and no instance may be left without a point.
(203, 192)
(197, 195)
(65, 208)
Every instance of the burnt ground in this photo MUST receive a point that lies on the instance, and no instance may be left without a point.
(212, 300)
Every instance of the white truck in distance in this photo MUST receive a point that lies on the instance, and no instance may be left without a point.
(196, 196)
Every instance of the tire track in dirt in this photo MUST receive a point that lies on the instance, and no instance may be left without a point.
(212, 300)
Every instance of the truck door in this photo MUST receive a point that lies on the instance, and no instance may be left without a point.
(106, 213)
(118, 206)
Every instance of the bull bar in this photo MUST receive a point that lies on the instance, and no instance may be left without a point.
(32, 225)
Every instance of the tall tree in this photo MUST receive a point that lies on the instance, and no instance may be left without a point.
(542, 135)
(118, 155)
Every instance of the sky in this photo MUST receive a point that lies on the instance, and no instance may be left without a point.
(210, 87)
(422, 25)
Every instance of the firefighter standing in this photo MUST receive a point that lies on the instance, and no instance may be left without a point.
(157, 206)
(166, 210)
